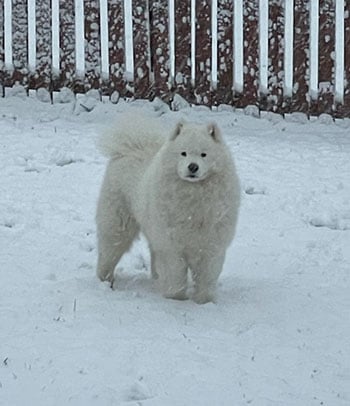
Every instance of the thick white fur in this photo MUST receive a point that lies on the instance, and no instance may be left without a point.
(188, 218)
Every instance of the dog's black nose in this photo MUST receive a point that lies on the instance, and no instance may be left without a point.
(193, 168)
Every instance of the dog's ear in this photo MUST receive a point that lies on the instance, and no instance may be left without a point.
(177, 130)
(214, 132)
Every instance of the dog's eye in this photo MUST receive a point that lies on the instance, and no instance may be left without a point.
(183, 153)
(203, 154)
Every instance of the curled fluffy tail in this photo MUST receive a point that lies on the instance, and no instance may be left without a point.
(131, 133)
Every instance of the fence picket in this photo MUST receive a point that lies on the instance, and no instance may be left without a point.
(344, 110)
(2, 46)
(264, 54)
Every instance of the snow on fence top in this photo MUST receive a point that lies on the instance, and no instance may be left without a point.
(281, 55)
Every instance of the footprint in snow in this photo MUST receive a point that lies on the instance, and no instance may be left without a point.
(255, 191)
(333, 223)
(7, 224)
(137, 392)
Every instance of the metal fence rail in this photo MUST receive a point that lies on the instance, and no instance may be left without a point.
(280, 55)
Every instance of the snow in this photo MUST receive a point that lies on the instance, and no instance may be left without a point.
(279, 332)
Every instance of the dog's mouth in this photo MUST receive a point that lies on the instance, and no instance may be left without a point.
(192, 178)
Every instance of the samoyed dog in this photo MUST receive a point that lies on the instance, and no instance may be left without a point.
(180, 190)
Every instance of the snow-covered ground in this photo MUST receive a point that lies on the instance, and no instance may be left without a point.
(279, 334)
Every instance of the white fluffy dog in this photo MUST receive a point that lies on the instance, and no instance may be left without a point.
(180, 191)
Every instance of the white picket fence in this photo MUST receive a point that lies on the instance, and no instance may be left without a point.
(281, 55)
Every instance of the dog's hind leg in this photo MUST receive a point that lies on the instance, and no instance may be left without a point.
(113, 243)
(116, 230)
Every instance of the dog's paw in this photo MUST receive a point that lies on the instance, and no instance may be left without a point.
(106, 277)
(179, 295)
(203, 297)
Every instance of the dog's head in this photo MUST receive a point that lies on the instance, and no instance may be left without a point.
(196, 148)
